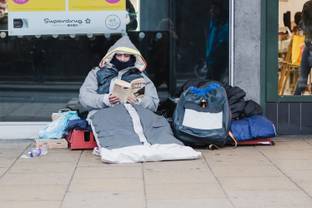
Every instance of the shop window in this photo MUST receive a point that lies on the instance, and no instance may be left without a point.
(199, 31)
(294, 59)
(41, 74)
(202, 40)
(180, 39)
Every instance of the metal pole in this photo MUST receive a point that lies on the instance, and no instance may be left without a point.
(172, 42)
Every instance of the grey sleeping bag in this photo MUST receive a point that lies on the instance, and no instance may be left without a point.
(127, 133)
(114, 127)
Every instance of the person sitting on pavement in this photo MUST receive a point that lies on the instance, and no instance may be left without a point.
(122, 61)
(128, 130)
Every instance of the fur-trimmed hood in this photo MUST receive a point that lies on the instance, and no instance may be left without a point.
(124, 45)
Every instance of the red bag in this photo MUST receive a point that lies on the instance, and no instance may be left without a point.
(81, 140)
(260, 141)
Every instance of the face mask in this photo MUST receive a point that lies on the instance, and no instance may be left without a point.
(122, 65)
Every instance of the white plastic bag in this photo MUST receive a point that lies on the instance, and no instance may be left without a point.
(56, 129)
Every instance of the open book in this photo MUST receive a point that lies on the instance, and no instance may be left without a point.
(123, 89)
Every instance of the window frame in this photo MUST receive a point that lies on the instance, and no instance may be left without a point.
(269, 55)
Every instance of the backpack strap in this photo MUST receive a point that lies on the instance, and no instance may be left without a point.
(213, 147)
(233, 138)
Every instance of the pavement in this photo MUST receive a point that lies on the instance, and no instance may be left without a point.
(277, 176)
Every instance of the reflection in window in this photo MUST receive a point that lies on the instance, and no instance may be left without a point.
(3, 15)
(41, 74)
(132, 8)
(3, 7)
(186, 38)
(152, 14)
(294, 47)
(202, 29)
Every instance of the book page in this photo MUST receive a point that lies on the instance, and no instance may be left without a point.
(138, 87)
(122, 90)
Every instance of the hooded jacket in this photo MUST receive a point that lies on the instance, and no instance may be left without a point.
(92, 100)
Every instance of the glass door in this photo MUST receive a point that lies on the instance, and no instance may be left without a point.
(202, 40)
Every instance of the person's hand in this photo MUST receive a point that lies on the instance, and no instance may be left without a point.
(132, 100)
(113, 99)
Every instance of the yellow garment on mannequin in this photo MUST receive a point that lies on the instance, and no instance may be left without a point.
(297, 49)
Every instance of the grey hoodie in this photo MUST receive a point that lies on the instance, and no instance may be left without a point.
(91, 100)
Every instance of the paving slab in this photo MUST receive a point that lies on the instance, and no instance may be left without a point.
(10, 151)
(99, 199)
(287, 144)
(229, 156)
(119, 185)
(302, 178)
(5, 163)
(246, 171)
(293, 164)
(108, 172)
(88, 159)
(181, 191)
(30, 204)
(53, 157)
(32, 192)
(290, 154)
(263, 176)
(34, 178)
(190, 203)
(183, 176)
(2, 170)
(269, 199)
(258, 184)
(176, 165)
(21, 166)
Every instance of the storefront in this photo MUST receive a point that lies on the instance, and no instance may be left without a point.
(45, 72)
(290, 110)
(180, 39)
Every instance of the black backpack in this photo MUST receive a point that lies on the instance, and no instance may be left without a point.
(202, 116)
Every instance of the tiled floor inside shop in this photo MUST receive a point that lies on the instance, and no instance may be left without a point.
(245, 177)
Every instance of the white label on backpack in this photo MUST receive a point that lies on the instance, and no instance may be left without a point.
(202, 120)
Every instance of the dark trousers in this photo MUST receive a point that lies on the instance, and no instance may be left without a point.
(305, 67)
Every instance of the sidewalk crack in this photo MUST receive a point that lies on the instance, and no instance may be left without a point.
(144, 185)
(71, 179)
(13, 163)
(288, 177)
(219, 182)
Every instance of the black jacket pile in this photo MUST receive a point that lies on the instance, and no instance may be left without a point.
(240, 107)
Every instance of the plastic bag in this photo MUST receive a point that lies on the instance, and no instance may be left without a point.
(56, 129)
